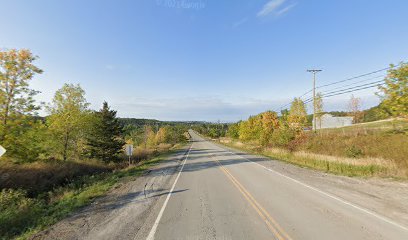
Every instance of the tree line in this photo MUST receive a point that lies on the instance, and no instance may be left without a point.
(285, 130)
(71, 130)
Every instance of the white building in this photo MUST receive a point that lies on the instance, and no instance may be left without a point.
(328, 121)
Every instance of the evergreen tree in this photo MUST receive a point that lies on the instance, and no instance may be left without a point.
(106, 140)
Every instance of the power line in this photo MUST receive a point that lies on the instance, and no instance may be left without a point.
(352, 78)
(351, 84)
(362, 85)
(349, 79)
(345, 80)
(349, 91)
(352, 90)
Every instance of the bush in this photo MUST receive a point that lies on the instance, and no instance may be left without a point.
(297, 142)
(283, 137)
(17, 212)
(42, 176)
(354, 152)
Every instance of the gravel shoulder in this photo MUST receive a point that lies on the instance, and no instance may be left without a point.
(124, 210)
(129, 210)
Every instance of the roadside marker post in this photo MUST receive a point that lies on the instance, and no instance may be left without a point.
(2, 150)
(129, 151)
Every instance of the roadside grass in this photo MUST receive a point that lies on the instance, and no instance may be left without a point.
(387, 149)
(369, 149)
(22, 216)
(329, 164)
(43, 176)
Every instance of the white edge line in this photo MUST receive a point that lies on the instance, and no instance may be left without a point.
(326, 194)
(156, 223)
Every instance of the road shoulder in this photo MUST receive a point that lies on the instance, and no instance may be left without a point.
(385, 197)
(124, 210)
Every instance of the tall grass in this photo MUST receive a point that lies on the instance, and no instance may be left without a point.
(363, 167)
(22, 215)
(369, 149)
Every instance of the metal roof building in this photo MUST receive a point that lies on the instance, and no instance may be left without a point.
(328, 121)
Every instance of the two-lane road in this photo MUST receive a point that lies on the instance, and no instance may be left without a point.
(221, 195)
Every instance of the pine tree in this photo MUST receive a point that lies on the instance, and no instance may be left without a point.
(106, 141)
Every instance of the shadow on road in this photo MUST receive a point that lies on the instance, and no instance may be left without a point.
(201, 159)
(119, 201)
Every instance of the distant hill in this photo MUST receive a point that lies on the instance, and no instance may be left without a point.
(153, 122)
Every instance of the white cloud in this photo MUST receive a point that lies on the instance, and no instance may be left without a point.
(240, 22)
(214, 108)
(270, 7)
(286, 9)
(210, 108)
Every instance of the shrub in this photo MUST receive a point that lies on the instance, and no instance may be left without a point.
(42, 176)
(282, 137)
(17, 212)
(354, 152)
(297, 142)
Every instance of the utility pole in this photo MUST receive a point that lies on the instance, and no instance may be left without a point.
(314, 71)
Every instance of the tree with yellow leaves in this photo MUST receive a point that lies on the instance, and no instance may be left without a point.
(16, 98)
(395, 91)
(297, 114)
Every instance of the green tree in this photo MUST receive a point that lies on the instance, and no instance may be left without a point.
(233, 130)
(395, 91)
(69, 121)
(297, 117)
(251, 129)
(31, 143)
(149, 136)
(161, 135)
(105, 141)
(16, 98)
(270, 123)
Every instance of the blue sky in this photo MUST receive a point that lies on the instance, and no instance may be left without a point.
(204, 59)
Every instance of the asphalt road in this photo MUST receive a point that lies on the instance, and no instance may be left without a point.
(218, 194)
(208, 191)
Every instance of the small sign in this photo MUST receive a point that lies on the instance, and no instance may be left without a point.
(2, 150)
(129, 149)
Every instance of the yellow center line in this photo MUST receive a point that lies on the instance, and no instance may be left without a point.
(263, 209)
(270, 222)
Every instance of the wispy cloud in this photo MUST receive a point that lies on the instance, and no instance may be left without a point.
(240, 22)
(275, 7)
(270, 7)
(213, 108)
(209, 108)
(285, 9)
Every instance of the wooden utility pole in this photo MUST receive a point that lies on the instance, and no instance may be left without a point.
(314, 71)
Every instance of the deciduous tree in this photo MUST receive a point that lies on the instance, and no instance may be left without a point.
(69, 120)
(270, 123)
(395, 91)
(297, 114)
(354, 107)
(16, 98)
